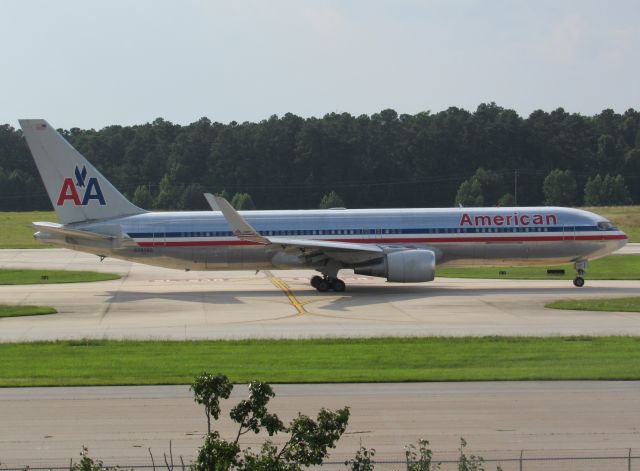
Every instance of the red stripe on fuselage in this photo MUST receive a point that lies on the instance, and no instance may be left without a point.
(415, 240)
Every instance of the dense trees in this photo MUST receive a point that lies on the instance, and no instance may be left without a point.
(560, 188)
(382, 160)
(486, 187)
(331, 200)
(242, 201)
(607, 190)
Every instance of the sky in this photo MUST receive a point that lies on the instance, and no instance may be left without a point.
(90, 64)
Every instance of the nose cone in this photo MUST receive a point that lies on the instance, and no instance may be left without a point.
(618, 241)
(624, 240)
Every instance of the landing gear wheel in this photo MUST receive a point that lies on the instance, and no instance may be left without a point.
(338, 285)
(322, 285)
(581, 269)
(315, 280)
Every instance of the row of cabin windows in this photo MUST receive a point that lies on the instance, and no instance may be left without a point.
(370, 232)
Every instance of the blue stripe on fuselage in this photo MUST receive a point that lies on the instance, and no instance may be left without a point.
(382, 231)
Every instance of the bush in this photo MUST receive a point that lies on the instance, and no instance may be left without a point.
(560, 188)
(331, 200)
(308, 443)
(470, 194)
(606, 191)
(142, 197)
(242, 201)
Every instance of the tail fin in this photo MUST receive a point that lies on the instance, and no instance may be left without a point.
(77, 190)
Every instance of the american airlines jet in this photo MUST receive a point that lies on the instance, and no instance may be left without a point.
(401, 245)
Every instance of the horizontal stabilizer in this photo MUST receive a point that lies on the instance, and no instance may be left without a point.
(53, 228)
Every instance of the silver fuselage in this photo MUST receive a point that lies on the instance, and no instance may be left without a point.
(459, 237)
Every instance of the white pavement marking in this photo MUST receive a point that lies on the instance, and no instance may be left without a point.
(159, 303)
(629, 249)
(47, 426)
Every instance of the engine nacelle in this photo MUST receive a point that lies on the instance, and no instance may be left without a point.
(404, 266)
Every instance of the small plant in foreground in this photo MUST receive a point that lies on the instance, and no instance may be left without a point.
(471, 463)
(207, 390)
(363, 461)
(87, 463)
(420, 458)
(308, 443)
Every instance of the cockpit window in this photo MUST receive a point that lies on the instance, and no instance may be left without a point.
(604, 225)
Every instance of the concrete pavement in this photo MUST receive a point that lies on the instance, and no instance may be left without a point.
(47, 426)
(150, 302)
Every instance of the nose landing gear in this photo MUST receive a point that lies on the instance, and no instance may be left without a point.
(581, 268)
(326, 283)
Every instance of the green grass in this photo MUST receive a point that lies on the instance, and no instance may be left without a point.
(626, 218)
(16, 231)
(631, 304)
(614, 267)
(19, 311)
(32, 277)
(102, 362)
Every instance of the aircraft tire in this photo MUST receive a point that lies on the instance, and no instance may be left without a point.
(578, 282)
(338, 285)
(322, 286)
(315, 280)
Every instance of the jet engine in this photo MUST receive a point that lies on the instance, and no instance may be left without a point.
(403, 266)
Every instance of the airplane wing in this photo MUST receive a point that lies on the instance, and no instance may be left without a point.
(212, 202)
(342, 251)
(54, 228)
(241, 228)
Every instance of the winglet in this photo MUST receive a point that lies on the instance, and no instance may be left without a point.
(240, 228)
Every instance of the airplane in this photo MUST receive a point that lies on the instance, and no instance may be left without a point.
(401, 245)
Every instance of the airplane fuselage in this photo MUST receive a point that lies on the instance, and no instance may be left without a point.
(459, 237)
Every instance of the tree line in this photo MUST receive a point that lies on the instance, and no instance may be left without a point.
(486, 157)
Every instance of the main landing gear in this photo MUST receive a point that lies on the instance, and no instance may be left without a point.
(581, 268)
(325, 283)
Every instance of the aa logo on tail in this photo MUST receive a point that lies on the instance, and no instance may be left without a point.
(90, 186)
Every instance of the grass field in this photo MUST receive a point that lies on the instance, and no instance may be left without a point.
(614, 267)
(32, 277)
(101, 362)
(18, 311)
(631, 304)
(16, 231)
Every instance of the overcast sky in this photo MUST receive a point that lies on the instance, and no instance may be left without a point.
(90, 64)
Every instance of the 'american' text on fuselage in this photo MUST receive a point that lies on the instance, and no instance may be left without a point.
(508, 220)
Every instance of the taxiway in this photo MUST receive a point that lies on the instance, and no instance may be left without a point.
(149, 302)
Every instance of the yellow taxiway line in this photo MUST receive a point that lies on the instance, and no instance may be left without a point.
(279, 283)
